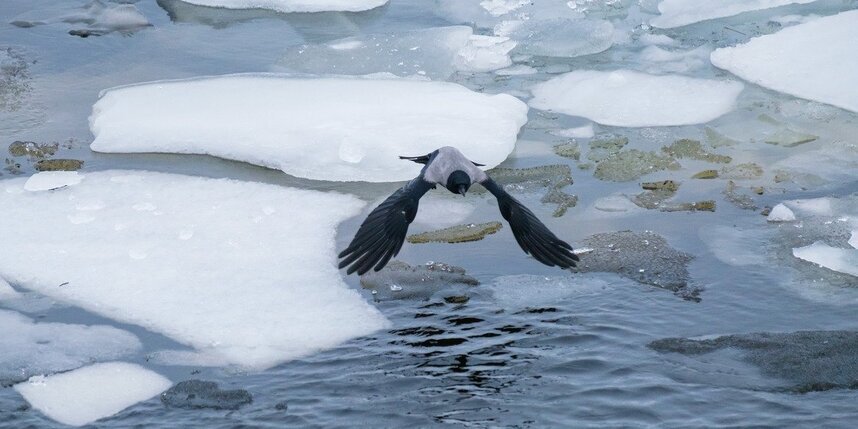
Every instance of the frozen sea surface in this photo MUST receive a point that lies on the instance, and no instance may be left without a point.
(743, 179)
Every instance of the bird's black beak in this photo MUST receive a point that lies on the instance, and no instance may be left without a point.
(463, 189)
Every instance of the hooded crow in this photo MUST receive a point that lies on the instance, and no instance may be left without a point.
(381, 235)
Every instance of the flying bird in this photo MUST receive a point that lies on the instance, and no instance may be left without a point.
(381, 235)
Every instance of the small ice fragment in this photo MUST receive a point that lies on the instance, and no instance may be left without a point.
(87, 394)
(395, 288)
(853, 239)
(48, 180)
(833, 258)
(781, 213)
(583, 132)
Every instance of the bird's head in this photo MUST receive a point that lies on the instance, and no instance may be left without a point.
(458, 182)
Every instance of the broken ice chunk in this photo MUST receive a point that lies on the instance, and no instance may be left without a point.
(87, 394)
(288, 6)
(833, 258)
(816, 60)
(632, 99)
(676, 13)
(781, 213)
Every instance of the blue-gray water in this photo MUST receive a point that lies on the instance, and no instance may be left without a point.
(580, 361)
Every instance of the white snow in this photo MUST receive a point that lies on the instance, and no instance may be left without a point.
(28, 348)
(781, 213)
(243, 271)
(816, 60)
(340, 129)
(633, 99)
(833, 258)
(87, 394)
(676, 13)
(484, 53)
(288, 6)
(47, 180)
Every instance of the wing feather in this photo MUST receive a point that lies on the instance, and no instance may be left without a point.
(379, 238)
(530, 233)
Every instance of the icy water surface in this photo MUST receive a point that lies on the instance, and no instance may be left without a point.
(530, 346)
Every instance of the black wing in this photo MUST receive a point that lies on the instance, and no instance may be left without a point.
(381, 235)
(532, 235)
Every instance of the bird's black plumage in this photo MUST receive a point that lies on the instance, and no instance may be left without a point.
(381, 235)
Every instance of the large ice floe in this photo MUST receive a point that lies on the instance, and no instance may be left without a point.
(632, 99)
(94, 392)
(432, 52)
(38, 348)
(288, 6)
(677, 13)
(243, 272)
(816, 60)
(339, 129)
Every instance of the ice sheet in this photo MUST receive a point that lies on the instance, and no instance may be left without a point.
(340, 129)
(240, 270)
(816, 60)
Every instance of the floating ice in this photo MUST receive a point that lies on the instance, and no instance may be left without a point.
(342, 129)
(48, 180)
(816, 60)
(781, 213)
(559, 37)
(484, 53)
(438, 212)
(658, 60)
(99, 17)
(426, 52)
(676, 13)
(502, 7)
(853, 239)
(87, 394)
(517, 70)
(632, 99)
(28, 348)
(833, 258)
(254, 284)
(288, 6)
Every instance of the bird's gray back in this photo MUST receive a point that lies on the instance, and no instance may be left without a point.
(447, 160)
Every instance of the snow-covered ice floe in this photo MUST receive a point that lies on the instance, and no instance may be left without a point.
(288, 6)
(339, 129)
(94, 392)
(243, 272)
(816, 60)
(633, 99)
(28, 348)
(47, 180)
(676, 13)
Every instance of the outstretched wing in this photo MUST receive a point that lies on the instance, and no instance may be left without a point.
(532, 235)
(381, 235)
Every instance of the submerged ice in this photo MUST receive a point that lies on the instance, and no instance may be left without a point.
(294, 5)
(676, 13)
(243, 272)
(339, 129)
